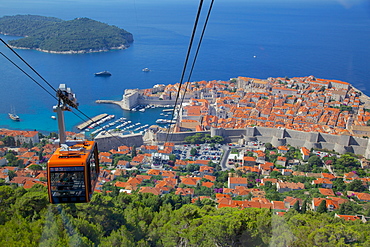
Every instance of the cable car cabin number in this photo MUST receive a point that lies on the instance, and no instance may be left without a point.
(73, 172)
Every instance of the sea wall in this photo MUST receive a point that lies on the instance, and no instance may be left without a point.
(155, 102)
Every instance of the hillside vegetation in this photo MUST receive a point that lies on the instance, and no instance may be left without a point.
(56, 35)
(120, 219)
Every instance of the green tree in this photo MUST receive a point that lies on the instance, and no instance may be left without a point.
(218, 139)
(120, 237)
(193, 152)
(304, 207)
(192, 167)
(268, 146)
(339, 184)
(35, 167)
(356, 185)
(9, 141)
(172, 157)
(11, 174)
(198, 202)
(296, 206)
(349, 208)
(133, 151)
(275, 174)
(314, 161)
(31, 204)
(322, 207)
(346, 163)
(116, 158)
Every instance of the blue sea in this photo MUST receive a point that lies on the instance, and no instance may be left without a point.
(257, 38)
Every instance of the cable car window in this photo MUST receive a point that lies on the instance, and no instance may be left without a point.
(67, 184)
(93, 175)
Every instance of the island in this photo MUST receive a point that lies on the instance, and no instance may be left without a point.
(53, 35)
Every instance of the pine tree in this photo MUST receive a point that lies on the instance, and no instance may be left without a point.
(198, 202)
(133, 151)
(322, 207)
(304, 207)
(296, 206)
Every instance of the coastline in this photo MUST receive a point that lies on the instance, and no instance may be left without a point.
(364, 98)
(121, 47)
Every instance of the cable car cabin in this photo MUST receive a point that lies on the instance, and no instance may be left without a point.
(73, 172)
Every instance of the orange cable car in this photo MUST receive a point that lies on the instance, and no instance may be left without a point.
(73, 172)
(73, 169)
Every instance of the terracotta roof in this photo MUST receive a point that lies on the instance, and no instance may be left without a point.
(238, 180)
(326, 192)
(189, 181)
(155, 191)
(348, 217)
(278, 205)
(184, 191)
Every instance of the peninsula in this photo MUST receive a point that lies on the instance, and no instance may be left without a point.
(53, 35)
(253, 107)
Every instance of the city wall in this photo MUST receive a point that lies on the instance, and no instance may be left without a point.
(177, 138)
(113, 141)
(155, 102)
(279, 137)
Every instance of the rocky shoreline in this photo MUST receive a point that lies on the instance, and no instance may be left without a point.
(363, 98)
(121, 47)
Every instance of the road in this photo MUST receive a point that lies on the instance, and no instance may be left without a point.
(223, 162)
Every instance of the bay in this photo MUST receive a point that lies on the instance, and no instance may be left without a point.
(261, 39)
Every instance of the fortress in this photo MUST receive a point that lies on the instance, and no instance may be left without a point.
(132, 98)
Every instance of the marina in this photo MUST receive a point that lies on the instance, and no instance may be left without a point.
(125, 126)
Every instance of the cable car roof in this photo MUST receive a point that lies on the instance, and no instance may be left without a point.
(72, 154)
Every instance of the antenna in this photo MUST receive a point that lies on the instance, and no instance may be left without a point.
(66, 100)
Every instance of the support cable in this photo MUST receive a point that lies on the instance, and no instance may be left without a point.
(186, 61)
(29, 76)
(193, 64)
(10, 48)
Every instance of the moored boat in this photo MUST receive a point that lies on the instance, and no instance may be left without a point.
(14, 116)
(103, 73)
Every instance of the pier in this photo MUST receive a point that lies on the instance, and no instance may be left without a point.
(120, 103)
(88, 122)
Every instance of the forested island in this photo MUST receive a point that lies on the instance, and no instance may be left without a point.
(49, 34)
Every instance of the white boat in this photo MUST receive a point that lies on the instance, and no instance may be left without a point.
(145, 70)
(161, 121)
(142, 110)
(103, 73)
(13, 116)
(53, 117)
